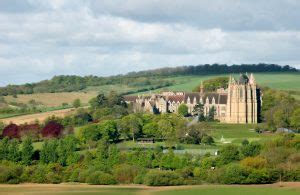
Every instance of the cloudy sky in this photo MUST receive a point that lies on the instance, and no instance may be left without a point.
(40, 38)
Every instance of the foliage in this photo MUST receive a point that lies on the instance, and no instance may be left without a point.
(214, 84)
(76, 103)
(183, 110)
(52, 129)
(163, 178)
(27, 151)
(11, 131)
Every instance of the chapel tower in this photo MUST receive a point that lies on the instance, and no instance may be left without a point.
(242, 100)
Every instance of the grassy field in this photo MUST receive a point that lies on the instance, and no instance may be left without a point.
(80, 189)
(38, 116)
(283, 81)
(53, 99)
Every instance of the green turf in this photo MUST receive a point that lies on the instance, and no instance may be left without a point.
(178, 190)
(282, 81)
(233, 190)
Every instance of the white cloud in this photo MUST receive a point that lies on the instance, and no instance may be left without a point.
(78, 37)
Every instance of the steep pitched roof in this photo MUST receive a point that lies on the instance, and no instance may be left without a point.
(219, 98)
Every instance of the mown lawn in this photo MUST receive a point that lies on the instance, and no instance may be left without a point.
(64, 189)
(233, 190)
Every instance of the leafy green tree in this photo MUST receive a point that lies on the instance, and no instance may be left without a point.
(199, 109)
(251, 149)
(183, 110)
(168, 131)
(4, 146)
(228, 154)
(13, 151)
(27, 151)
(99, 101)
(151, 130)
(76, 103)
(109, 130)
(211, 114)
(66, 149)
(295, 118)
(131, 126)
(115, 99)
(48, 153)
(89, 134)
(206, 139)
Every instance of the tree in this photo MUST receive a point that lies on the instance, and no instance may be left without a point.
(4, 148)
(76, 103)
(228, 154)
(49, 152)
(151, 130)
(131, 126)
(254, 162)
(27, 151)
(199, 109)
(109, 130)
(183, 110)
(206, 139)
(251, 149)
(98, 102)
(52, 129)
(13, 151)
(211, 114)
(89, 134)
(11, 131)
(295, 118)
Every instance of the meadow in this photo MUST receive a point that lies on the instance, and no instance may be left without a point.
(282, 81)
(80, 189)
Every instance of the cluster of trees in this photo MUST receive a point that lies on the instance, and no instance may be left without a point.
(215, 69)
(77, 83)
(34, 131)
(280, 109)
(59, 161)
(213, 84)
(169, 127)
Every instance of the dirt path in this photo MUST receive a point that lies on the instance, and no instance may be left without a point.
(38, 116)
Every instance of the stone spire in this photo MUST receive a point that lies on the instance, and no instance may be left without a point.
(252, 80)
(201, 88)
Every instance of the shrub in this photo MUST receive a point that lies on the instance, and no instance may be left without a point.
(228, 154)
(258, 177)
(251, 149)
(10, 173)
(163, 178)
(254, 162)
(30, 130)
(11, 131)
(234, 174)
(100, 178)
(52, 129)
(125, 173)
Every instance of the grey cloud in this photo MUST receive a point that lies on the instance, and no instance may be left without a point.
(112, 37)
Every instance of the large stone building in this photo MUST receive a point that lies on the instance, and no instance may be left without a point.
(239, 103)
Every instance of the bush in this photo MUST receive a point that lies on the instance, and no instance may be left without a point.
(254, 162)
(11, 131)
(10, 173)
(52, 129)
(234, 174)
(260, 176)
(163, 178)
(100, 178)
(125, 173)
